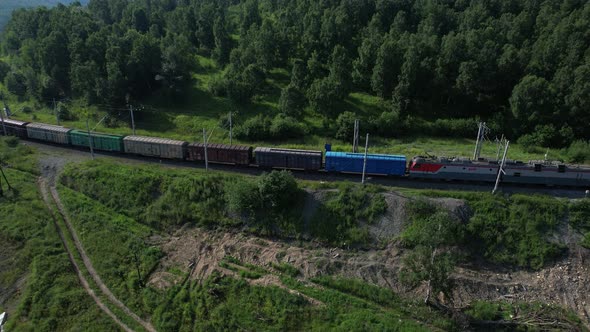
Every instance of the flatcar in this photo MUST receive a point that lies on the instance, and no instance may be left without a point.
(377, 164)
(453, 169)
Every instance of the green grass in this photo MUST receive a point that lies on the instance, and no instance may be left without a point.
(51, 298)
(527, 314)
(98, 228)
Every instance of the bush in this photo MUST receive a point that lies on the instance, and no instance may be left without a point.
(292, 101)
(482, 310)
(218, 86)
(516, 230)
(546, 136)
(345, 126)
(455, 128)
(283, 127)
(27, 110)
(578, 151)
(65, 113)
(338, 220)
(387, 124)
(256, 128)
(269, 204)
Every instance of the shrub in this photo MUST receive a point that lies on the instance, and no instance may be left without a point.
(283, 127)
(269, 204)
(578, 151)
(345, 126)
(292, 101)
(337, 221)
(454, 127)
(482, 310)
(387, 124)
(256, 128)
(27, 110)
(218, 86)
(516, 230)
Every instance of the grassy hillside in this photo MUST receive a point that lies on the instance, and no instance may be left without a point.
(38, 286)
(121, 213)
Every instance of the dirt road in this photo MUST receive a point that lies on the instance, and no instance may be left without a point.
(50, 169)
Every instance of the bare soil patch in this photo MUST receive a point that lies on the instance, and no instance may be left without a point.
(566, 283)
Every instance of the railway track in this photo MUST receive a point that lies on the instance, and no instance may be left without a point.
(322, 176)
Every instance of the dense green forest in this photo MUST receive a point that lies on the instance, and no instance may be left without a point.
(7, 6)
(524, 66)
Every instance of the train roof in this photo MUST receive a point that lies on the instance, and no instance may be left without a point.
(37, 125)
(289, 151)
(15, 122)
(221, 146)
(95, 134)
(351, 155)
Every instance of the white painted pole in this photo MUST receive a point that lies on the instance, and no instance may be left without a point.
(475, 156)
(501, 170)
(365, 159)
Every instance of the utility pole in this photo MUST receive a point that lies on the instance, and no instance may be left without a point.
(3, 126)
(500, 143)
(230, 129)
(355, 139)
(205, 148)
(479, 141)
(501, 170)
(5, 179)
(2, 116)
(89, 139)
(365, 159)
(56, 112)
(132, 118)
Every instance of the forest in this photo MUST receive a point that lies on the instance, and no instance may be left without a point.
(435, 66)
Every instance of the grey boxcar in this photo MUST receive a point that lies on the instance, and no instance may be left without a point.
(155, 147)
(48, 133)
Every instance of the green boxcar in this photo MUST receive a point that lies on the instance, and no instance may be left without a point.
(100, 141)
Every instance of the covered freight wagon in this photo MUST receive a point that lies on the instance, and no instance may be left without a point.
(220, 153)
(48, 133)
(14, 128)
(288, 158)
(383, 164)
(100, 141)
(155, 147)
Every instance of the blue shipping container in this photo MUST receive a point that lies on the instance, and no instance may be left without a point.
(376, 163)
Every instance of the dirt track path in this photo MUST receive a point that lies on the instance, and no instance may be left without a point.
(49, 192)
(43, 189)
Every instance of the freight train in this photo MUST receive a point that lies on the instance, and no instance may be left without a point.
(446, 169)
